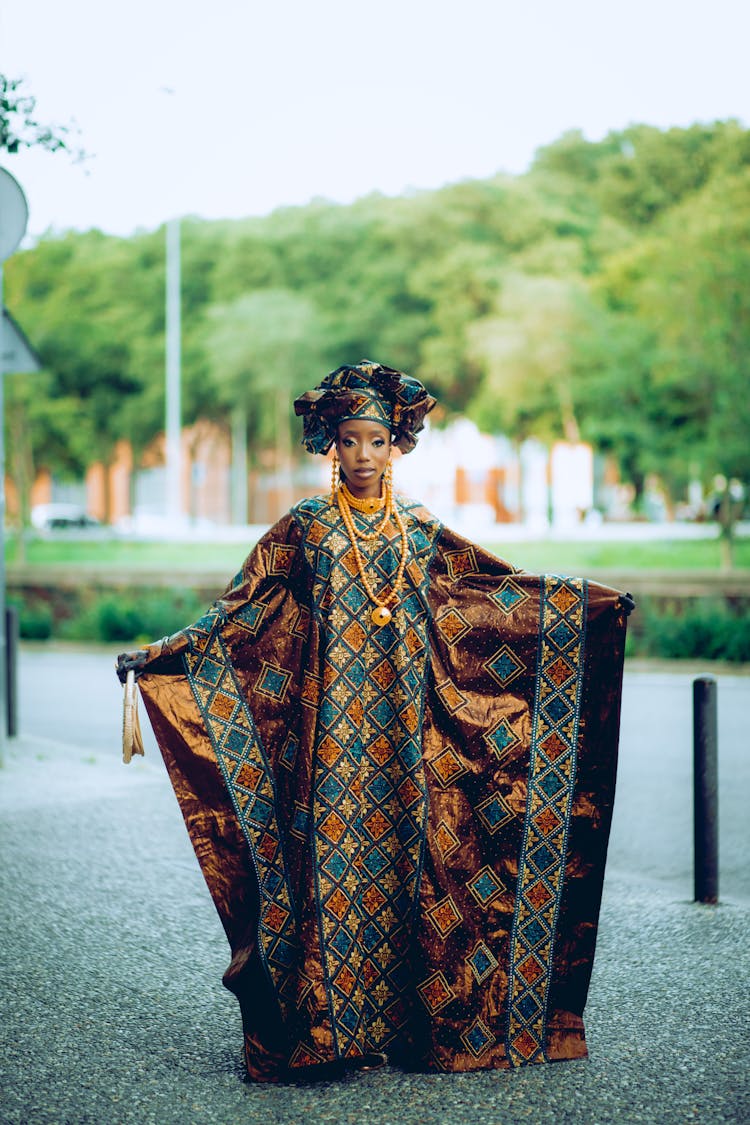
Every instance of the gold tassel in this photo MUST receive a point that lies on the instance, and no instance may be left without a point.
(132, 740)
(335, 476)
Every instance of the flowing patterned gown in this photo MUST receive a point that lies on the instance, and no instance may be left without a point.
(404, 827)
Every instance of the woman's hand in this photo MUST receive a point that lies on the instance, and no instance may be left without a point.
(627, 601)
(131, 662)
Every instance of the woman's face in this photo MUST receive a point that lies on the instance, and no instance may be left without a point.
(363, 448)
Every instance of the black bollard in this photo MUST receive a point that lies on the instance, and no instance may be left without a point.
(705, 791)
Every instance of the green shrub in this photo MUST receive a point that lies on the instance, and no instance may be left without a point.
(34, 621)
(133, 616)
(164, 612)
(116, 620)
(702, 631)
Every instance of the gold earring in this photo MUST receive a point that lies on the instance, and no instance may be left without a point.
(388, 485)
(335, 476)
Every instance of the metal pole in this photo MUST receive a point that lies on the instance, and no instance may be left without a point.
(11, 667)
(3, 644)
(705, 791)
(14, 215)
(173, 378)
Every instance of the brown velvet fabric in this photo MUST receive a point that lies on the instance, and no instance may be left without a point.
(403, 829)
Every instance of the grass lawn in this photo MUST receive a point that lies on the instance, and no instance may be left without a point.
(579, 558)
(535, 556)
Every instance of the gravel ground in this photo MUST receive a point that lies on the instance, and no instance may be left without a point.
(112, 955)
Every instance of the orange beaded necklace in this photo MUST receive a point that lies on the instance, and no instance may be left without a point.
(381, 614)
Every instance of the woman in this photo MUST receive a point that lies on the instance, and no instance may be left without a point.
(395, 756)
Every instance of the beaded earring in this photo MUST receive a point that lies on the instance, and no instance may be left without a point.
(335, 476)
(388, 485)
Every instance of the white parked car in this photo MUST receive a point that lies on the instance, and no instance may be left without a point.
(61, 517)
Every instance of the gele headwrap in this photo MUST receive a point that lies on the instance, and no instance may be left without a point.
(367, 391)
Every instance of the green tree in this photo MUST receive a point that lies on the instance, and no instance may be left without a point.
(524, 352)
(20, 129)
(83, 309)
(702, 309)
(667, 350)
(262, 350)
(639, 173)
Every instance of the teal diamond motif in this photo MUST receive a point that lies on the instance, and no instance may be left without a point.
(249, 617)
(562, 634)
(529, 1006)
(272, 681)
(283, 953)
(494, 813)
(236, 741)
(508, 596)
(206, 623)
(534, 932)
(482, 962)
(331, 789)
(543, 858)
(557, 709)
(550, 784)
(375, 861)
(354, 599)
(259, 811)
(300, 821)
(335, 865)
(485, 886)
(383, 713)
(420, 541)
(478, 1038)
(504, 666)
(210, 671)
(501, 739)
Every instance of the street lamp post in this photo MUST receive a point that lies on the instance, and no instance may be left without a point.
(173, 421)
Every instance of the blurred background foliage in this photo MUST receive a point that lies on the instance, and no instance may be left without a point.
(604, 294)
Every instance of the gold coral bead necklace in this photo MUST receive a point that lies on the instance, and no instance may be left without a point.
(368, 505)
(382, 613)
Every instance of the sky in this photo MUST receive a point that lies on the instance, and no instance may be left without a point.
(230, 108)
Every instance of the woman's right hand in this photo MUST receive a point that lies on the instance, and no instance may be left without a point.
(133, 661)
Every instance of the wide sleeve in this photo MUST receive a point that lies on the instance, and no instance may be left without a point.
(273, 568)
(216, 687)
(520, 750)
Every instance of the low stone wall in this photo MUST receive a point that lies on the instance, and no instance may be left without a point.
(662, 584)
(680, 614)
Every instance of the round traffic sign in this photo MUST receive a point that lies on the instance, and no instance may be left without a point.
(14, 214)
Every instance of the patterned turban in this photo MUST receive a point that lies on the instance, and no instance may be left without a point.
(366, 392)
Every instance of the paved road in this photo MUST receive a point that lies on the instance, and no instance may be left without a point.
(71, 694)
(112, 953)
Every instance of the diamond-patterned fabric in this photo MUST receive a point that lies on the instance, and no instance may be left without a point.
(369, 792)
(550, 795)
(402, 827)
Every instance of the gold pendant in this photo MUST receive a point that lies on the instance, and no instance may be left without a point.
(381, 615)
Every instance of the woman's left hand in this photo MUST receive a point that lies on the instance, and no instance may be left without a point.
(133, 661)
(627, 601)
